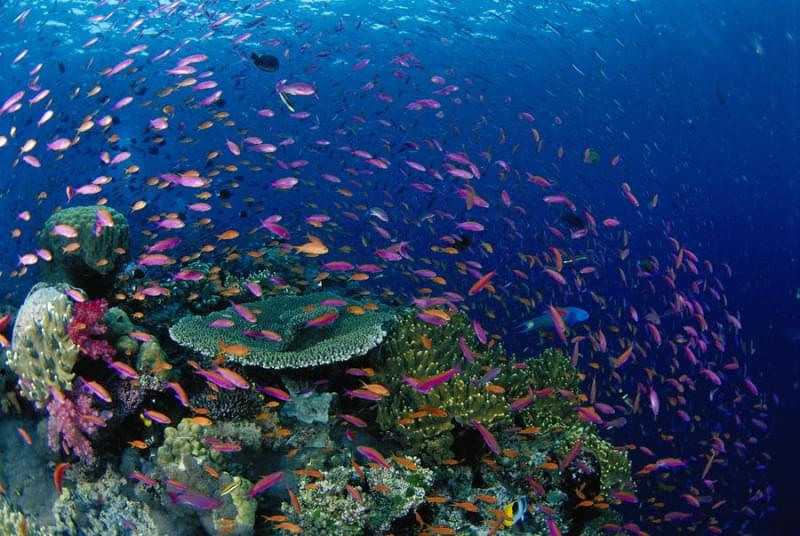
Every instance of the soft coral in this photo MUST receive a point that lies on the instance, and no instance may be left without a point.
(86, 329)
(72, 420)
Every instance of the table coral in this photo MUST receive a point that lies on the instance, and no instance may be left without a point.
(299, 346)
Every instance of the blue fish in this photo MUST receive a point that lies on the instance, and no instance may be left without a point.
(571, 316)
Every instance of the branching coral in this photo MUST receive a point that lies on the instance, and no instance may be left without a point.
(42, 353)
(72, 420)
(425, 422)
(86, 329)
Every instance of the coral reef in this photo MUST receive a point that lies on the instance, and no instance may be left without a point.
(238, 404)
(307, 405)
(15, 522)
(103, 508)
(280, 337)
(186, 456)
(71, 420)
(42, 353)
(341, 504)
(101, 249)
(425, 423)
(87, 329)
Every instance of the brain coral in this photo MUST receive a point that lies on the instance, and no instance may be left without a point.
(42, 353)
(355, 332)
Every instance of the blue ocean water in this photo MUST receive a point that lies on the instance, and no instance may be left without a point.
(643, 152)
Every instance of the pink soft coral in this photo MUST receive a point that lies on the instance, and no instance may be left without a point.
(72, 420)
(86, 329)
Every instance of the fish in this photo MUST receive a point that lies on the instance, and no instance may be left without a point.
(373, 455)
(195, 500)
(571, 316)
(515, 511)
(265, 482)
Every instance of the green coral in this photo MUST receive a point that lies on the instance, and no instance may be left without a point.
(102, 253)
(117, 322)
(42, 353)
(187, 439)
(150, 357)
(464, 398)
(349, 336)
(183, 457)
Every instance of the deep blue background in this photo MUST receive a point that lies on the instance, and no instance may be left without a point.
(701, 99)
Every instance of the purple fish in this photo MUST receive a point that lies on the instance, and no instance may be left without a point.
(195, 500)
(465, 350)
(428, 384)
(265, 483)
(487, 436)
(479, 331)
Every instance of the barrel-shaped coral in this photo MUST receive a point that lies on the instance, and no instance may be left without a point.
(42, 353)
(86, 243)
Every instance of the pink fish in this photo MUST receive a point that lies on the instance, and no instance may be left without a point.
(465, 350)
(164, 245)
(325, 319)
(560, 199)
(216, 378)
(426, 385)
(487, 436)
(337, 266)
(555, 276)
(373, 455)
(180, 393)
(156, 416)
(60, 144)
(121, 103)
(31, 161)
(479, 331)
(285, 183)
(276, 393)
(61, 229)
(155, 260)
(144, 479)
(195, 500)
(558, 323)
(470, 226)
(254, 289)
(221, 323)
(362, 394)
(188, 275)
(654, 404)
(355, 421)
(124, 370)
(265, 483)
(295, 89)
(244, 312)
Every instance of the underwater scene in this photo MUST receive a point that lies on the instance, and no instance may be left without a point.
(425, 267)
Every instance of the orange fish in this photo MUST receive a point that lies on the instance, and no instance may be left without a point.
(468, 506)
